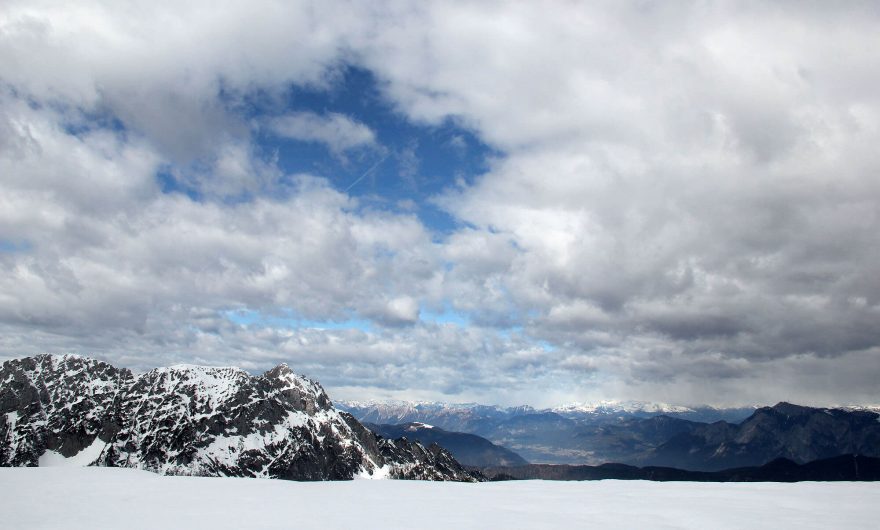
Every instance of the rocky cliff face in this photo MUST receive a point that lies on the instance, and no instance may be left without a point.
(56, 403)
(193, 420)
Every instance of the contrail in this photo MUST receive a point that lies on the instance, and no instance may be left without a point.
(367, 172)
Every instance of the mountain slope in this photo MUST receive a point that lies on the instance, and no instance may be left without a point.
(60, 404)
(193, 420)
(800, 434)
(469, 449)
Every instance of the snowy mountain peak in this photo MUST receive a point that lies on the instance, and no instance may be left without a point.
(195, 420)
(612, 406)
(308, 393)
(218, 384)
(68, 364)
(865, 408)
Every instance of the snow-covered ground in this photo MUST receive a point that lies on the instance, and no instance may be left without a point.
(96, 498)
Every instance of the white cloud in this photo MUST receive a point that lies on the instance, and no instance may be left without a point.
(338, 132)
(404, 310)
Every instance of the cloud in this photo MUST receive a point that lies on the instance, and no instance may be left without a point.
(338, 132)
(397, 311)
(682, 203)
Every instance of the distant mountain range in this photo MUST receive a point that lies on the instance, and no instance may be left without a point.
(651, 435)
(607, 431)
(800, 434)
(468, 449)
(465, 416)
(193, 420)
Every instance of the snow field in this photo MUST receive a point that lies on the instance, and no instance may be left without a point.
(96, 498)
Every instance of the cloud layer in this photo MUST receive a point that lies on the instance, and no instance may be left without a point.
(684, 204)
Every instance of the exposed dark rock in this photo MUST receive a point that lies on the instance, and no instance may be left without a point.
(411, 460)
(57, 403)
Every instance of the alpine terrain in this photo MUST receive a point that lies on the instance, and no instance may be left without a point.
(194, 420)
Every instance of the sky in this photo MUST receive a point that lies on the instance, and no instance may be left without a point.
(508, 203)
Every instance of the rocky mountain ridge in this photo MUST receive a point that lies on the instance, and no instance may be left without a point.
(797, 433)
(193, 420)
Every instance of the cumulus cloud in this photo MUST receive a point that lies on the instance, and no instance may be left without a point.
(396, 312)
(683, 205)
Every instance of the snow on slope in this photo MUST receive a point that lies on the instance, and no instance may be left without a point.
(89, 498)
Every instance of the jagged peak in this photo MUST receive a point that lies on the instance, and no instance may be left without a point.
(285, 380)
(60, 359)
(62, 356)
(196, 368)
(51, 366)
(205, 376)
(281, 370)
(284, 373)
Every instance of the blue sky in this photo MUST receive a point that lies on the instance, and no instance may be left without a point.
(530, 203)
(406, 165)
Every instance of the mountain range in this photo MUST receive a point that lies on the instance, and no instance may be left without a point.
(467, 417)
(653, 435)
(194, 420)
(608, 431)
(797, 433)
